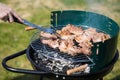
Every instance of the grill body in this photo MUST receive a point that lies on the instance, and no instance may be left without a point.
(107, 49)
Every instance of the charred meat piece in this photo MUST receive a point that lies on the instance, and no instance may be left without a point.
(48, 35)
(73, 29)
(92, 33)
(100, 37)
(86, 47)
(74, 50)
(52, 43)
(82, 38)
(63, 46)
(65, 34)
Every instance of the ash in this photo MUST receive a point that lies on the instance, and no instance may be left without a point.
(55, 63)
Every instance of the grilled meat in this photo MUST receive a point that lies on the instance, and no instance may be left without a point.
(48, 35)
(73, 29)
(52, 43)
(100, 37)
(74, 40)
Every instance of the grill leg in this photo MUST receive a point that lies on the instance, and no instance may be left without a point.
(41, 77)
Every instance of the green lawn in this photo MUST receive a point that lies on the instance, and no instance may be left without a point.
(14, 38)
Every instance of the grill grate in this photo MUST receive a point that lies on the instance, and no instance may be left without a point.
(57, 61)
(56, 54)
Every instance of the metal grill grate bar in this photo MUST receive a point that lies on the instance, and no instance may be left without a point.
(56, 55)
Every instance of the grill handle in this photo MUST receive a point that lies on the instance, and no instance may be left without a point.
(6, 66)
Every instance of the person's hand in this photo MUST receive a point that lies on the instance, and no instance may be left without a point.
(8, 14)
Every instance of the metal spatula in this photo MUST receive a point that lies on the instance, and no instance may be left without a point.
(27, 23)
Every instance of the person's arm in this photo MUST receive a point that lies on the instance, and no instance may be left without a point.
(8, 14)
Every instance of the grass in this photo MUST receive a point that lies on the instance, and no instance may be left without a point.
(14, 38)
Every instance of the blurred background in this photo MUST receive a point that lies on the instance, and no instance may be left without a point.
(14, 38)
